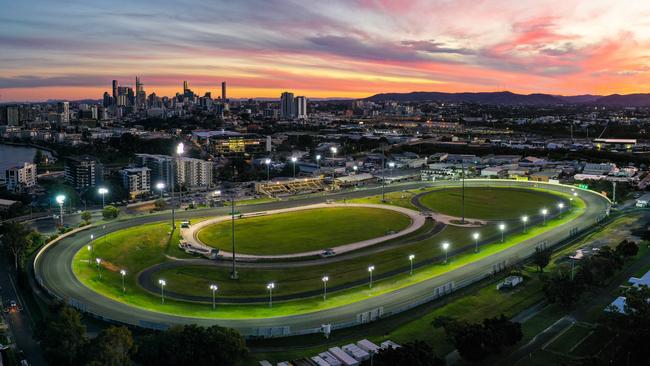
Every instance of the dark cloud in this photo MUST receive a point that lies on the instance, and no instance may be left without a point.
(26, 81)
(436, 47)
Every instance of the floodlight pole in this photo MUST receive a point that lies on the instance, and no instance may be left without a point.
(462, 209)
(233, 273)
(383, 177)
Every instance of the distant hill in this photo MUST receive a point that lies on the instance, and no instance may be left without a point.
(628, 100)
(509, 98)
(482, 98)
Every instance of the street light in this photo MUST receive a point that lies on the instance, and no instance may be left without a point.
(99, 268)
(325, 279)
(162, 284)
(334, 150)
(502, 228)
(411, 258)
(445, 247)
(267, 161)
(160, 186)
(561, 207)
(103, 192)
(60, 199)
(524, 219)
(391, 165)
(544, 212)
(180, 148)
(270, 287)
(370, 269)
(293, 160)
(214, 290)
(355, 168)
(123, 273)
(318, 161)
(476, 236)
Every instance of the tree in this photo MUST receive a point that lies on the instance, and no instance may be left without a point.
(542, 257)
(192, 344)
(562, 289)
(110, 212)
(86, 216)
(160, 204)
(63, 336)
(416, 353)
(627, 249)
(38, 156)
(113, 346)
(630, 329)
(475, 341)
(14, 240)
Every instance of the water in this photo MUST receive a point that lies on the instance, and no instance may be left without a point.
(11, 155)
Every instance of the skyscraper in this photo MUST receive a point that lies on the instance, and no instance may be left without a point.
(140, 95)
(223, 91)
(287, 106)
(115, 91)
(63, 109)
(185, 87)
(301, 107)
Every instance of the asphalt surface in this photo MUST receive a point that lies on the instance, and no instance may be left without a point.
(20, 323)
(54, 271)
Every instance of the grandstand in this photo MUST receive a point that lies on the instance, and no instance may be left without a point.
(288, 187)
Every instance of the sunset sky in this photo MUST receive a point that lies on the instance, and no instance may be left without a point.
(73, 49)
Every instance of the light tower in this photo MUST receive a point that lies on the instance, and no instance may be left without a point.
(370, 270)
(214, 290)
(103, 192)
(60, 199)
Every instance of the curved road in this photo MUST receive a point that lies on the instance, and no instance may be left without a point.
(53, 271)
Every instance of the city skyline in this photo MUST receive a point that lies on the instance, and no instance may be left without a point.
(339, 49)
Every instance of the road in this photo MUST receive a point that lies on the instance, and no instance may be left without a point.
(54, 270)
(20, 323)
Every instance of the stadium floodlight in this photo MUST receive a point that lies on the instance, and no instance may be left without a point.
(99, 267)
(476, 236)
(214, 289)
(370, 270)
(293, 161)
(162, 284)
(60, 199)
(270, 287)
(102, 191)
(411, 258)
(325, 279)
(160, 186)
(502, 228)
(445, 247)
(123, 273)
(524, 219)
(267, 161)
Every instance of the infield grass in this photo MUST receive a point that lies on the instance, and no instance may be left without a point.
(304, 230)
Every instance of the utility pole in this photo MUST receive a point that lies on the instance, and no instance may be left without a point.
(383, 178)
(233, 274)
(462, 209)
(614, 192)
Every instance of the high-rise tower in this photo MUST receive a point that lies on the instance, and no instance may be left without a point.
(223, 91)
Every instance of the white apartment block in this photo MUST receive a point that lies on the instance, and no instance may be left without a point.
(190, 173)
(21, 177)
(136, 180)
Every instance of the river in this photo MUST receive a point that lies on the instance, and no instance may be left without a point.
(11, 155)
